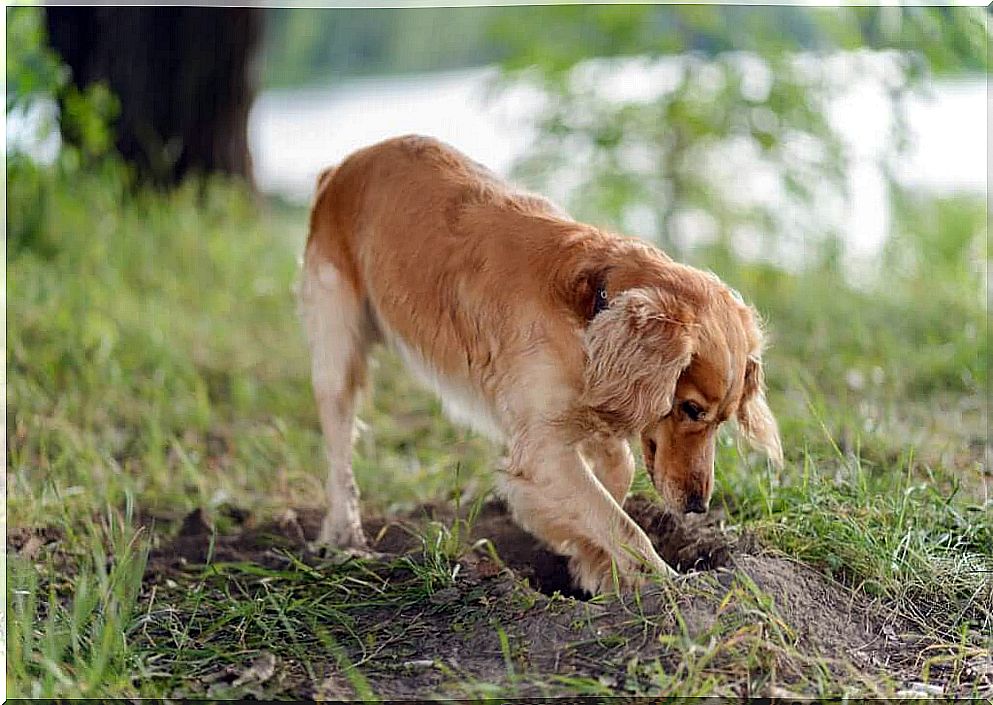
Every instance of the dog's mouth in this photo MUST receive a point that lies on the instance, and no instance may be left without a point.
(673, 502)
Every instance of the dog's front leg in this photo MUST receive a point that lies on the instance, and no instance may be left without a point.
(611, 460)
(554, 495)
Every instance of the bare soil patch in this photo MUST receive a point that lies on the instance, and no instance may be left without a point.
(785, 617)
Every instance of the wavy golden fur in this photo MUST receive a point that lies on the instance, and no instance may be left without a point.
(551, 336)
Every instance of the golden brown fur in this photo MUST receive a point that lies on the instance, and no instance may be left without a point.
(490, 296)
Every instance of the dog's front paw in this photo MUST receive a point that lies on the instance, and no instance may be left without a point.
(594, 571)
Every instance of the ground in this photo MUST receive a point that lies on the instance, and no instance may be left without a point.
(503, 618)
(164, 473)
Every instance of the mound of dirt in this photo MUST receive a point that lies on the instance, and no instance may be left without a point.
(811, 614)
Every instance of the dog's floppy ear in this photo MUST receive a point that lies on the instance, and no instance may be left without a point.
(755, 419)
(636, 349)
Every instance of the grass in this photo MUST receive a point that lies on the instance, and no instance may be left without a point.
(155, 365)
(76, 646)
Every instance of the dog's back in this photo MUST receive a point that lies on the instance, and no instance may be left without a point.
(430, 239)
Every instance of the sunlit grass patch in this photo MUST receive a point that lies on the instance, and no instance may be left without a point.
(891, 535)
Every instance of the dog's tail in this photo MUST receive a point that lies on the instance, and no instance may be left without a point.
(325, 233)
(327, 239)
(324, 177)
(319, 210)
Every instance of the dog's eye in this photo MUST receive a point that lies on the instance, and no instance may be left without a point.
(693, 411)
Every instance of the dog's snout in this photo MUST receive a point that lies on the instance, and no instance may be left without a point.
(696, 504)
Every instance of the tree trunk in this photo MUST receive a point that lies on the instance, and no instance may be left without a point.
(185, 78)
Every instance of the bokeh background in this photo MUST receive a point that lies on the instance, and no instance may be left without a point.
(829, 163)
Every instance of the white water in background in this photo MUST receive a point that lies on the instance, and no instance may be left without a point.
(294, 133)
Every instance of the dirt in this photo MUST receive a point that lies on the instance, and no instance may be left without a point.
(729, 589)
(686, 545)
(512, 616)
(28, 542)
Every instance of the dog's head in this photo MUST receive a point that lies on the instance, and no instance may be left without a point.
(673, 365)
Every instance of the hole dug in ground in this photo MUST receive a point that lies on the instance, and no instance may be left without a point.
(684, 545)
(692, 544)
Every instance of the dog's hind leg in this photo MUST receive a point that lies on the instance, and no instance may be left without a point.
(340, 332)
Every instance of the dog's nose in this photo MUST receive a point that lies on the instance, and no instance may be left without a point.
(695, 505)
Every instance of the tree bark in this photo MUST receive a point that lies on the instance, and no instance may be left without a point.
(185, 78)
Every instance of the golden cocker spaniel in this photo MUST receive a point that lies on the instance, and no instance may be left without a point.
(551, 336)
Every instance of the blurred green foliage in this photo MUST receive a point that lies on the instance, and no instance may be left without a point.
(37, 82)
(746, 102)
(33, 70)
(322, 45)
(36, 76)
(702, 103)
(555, 37)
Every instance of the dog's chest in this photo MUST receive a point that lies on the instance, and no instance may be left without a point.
(459, 400)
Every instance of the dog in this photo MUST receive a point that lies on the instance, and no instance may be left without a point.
(550, 336)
